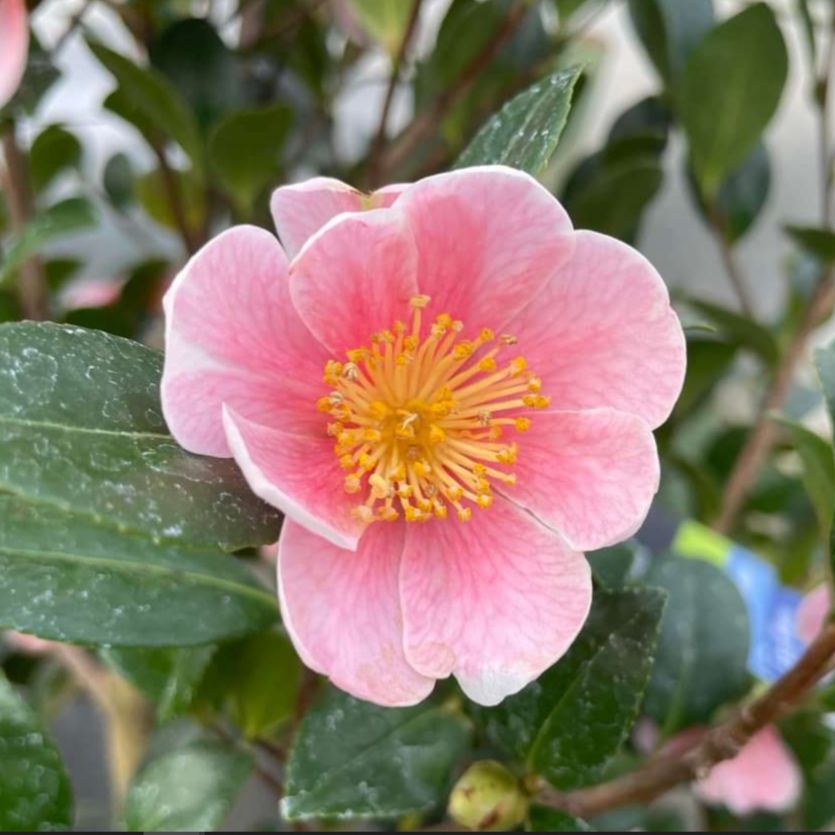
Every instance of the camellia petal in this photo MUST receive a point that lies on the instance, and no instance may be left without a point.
(590, 475)
(14, 47)
(342, 611)
(494, 602)
(355, 277)
(301, 210)
(763, 776)
(233, 336)
(602, 333)
(296, 473)
(489, 239)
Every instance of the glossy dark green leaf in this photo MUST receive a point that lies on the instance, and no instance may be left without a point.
(81, 430)
(186, 790)
(612, 566)
(574, 718)
(818, 471)
(207, 74)
(148, 100)
(118, 181)
(740, 330)
(54, 150)
(707, 359)
(730, 88)
(34, 789)
(525, 132)
(611, 198)
(353, 759)
(703, 648)
(58, 221)
(815, 241)
(169, 677)
(245, 150)
(669, 29)
(649, 117)
(742, 195)
(543, 819)
(73, 577)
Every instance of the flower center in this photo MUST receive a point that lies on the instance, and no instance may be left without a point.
(419, 418)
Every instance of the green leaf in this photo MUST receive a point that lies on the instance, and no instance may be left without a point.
(58, 221)
(569, 723)
(71, 577)
(707, 360)
(34, 789)
(730, 89)
(384, 20)
(169, 677)
(148, 100)
(703, 648)
(543, 819)
(648, 118)
(741, 197)
(189, 790)
(207, 74)
(614, 197)
(81, 429)
(669, 29)
(612, 566)
(352, 759)
(815, 241)
(818, 470)
(740, 330)
(825, 365)
(118, 181)
(54, 150)
(153, 196)
(245, 150)
(525, 132)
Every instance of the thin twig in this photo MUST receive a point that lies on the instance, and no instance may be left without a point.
(763, 435)
(175, 198)
(720, 743)
(428, 120)
(735, 275)
(397, 65)
(31, 286)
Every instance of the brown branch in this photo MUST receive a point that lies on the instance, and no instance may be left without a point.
(397, 65)
(175, 198)
(720, 743)
(31, 286)
(732, 268)
(428, 120)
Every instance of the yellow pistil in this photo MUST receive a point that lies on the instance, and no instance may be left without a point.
(417, 418)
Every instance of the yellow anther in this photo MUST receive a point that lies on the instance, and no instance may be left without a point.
(488, 364)
(440, 510)
(522, 424)
(482, 485)
(436, 434)
(465, 513)
(535, 385)
(410, 343)
(495, 433)
(363, 513)
(463, 350)
(412, 513)
(404, 491)
(371, 435)
(399, 327)
(518, 366)
(444, 320)
(357, 354)
(377, 409)
(323, 404)
(333, 370)
(352, 483)
(389, 514)
(486, 335)
(484, 500)
(536, 401)
(455, 492)
(421, 468)
(508, 454)
(380, 487)
(346, 461)
(419, 302)
(335, 428)
(479, 470)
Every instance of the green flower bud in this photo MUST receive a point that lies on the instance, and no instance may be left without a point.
(488, 798)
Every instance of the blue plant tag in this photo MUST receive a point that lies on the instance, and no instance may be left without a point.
(772, 607)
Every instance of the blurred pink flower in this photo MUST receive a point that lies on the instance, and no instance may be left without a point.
(14, 47)
(462, 360)
(91, 292)
(812, 613)
(763, 776)
(27, 644)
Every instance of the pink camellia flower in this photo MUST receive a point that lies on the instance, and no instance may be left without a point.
(450, 398)
(812, 613)
(763, 776)
(14, 46)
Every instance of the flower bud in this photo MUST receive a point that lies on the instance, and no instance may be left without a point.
(488, 798)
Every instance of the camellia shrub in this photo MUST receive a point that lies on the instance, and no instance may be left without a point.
(359, 471)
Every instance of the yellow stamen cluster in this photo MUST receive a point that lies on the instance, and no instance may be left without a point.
(418, 418)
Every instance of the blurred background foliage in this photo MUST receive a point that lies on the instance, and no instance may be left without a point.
(218, 102)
